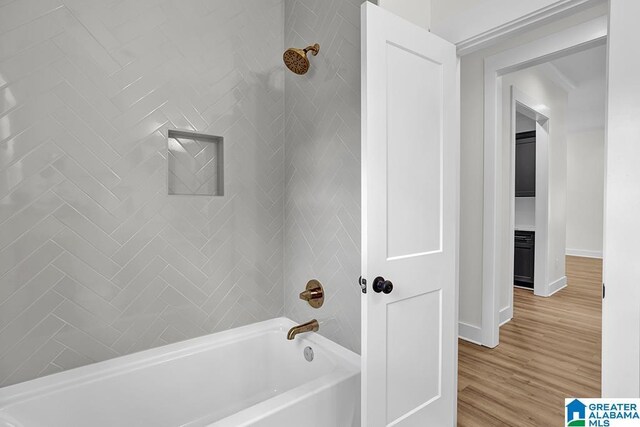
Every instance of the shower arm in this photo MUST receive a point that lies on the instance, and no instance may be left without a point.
(313, 48)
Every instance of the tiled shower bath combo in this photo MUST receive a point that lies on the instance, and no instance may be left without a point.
(164, 177)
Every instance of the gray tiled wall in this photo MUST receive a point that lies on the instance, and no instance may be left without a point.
(322, 208)
(96, 260)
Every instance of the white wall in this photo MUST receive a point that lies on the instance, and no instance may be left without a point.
(472, 154)
(585, 163)
(585, 192)
(537, 86)
(620, 307)
(524, 123)
(584, 113)
(416, 11)
(525, 213)
(446, 11)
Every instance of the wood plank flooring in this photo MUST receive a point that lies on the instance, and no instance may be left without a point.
(548, 351)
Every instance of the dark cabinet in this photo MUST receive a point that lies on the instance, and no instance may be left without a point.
(524, 258)
(526, 164)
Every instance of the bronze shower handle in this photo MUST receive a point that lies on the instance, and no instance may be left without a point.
(313, 294)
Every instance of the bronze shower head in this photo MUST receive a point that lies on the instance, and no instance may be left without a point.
(296, 59)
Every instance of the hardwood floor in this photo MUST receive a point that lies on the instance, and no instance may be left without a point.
(548, 351)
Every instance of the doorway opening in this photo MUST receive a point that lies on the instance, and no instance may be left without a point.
(548, 283)
(497, 224)
(557, 183)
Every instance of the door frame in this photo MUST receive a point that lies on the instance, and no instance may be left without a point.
(541, 114)
(574, 39)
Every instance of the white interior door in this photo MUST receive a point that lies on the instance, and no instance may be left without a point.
(410, 149)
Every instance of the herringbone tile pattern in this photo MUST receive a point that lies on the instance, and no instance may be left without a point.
(96, 260)
(322, 137)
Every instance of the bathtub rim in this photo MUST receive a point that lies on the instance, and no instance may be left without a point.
(39, 387)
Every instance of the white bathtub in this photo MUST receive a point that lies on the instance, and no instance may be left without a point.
(246, 376)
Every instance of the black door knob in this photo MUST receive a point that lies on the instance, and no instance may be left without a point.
(381, 285)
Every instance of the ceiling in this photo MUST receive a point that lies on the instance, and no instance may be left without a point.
(584, 66)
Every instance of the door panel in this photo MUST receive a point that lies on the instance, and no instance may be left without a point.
(410, 188)
(414, 223)
(413, 377)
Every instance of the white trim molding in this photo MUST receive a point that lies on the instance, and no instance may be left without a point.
(584, 253)
(574, 39)
(559, 284)
(506, 314)
(482, 38)
(470, 333)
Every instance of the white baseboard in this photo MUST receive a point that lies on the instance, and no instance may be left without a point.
(470, 333)
(584, 253)
(506, 314)
(557, 285)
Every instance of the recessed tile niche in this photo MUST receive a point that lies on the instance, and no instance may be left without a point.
(195, 163)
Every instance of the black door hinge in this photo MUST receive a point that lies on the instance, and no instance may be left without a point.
(603, 291)
(363, 284)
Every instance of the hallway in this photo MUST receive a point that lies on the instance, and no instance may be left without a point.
(550, 350)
